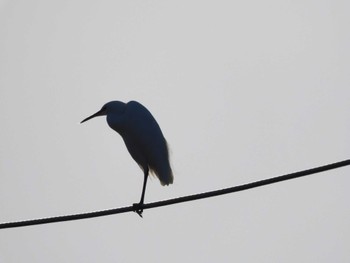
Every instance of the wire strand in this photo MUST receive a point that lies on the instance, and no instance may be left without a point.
(176, 200)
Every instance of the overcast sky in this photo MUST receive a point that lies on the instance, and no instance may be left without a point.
(243, 91)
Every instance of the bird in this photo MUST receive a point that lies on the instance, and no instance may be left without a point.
(143, 139)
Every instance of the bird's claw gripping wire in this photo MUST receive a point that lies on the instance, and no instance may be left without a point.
(138, 208)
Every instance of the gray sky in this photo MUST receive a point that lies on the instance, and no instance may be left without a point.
(243, 91)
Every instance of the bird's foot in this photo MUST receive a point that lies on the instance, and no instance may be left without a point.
(138, 208)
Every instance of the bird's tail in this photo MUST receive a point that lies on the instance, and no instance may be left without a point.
(167, 178)
(164, 174)
(162, 169)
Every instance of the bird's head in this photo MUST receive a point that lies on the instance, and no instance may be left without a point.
(113, 107)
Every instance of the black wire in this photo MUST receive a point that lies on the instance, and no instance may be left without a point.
(176, 200)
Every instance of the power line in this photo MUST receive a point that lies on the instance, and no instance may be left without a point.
(177, 200)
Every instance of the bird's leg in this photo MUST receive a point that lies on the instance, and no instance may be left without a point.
(138, 207)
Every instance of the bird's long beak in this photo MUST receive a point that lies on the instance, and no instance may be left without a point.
(99, 113)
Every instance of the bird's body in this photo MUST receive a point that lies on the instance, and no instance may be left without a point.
(143, 139)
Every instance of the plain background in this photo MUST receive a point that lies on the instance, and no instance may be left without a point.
(243, 91)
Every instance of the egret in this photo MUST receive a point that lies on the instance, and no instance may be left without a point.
(143, 139)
